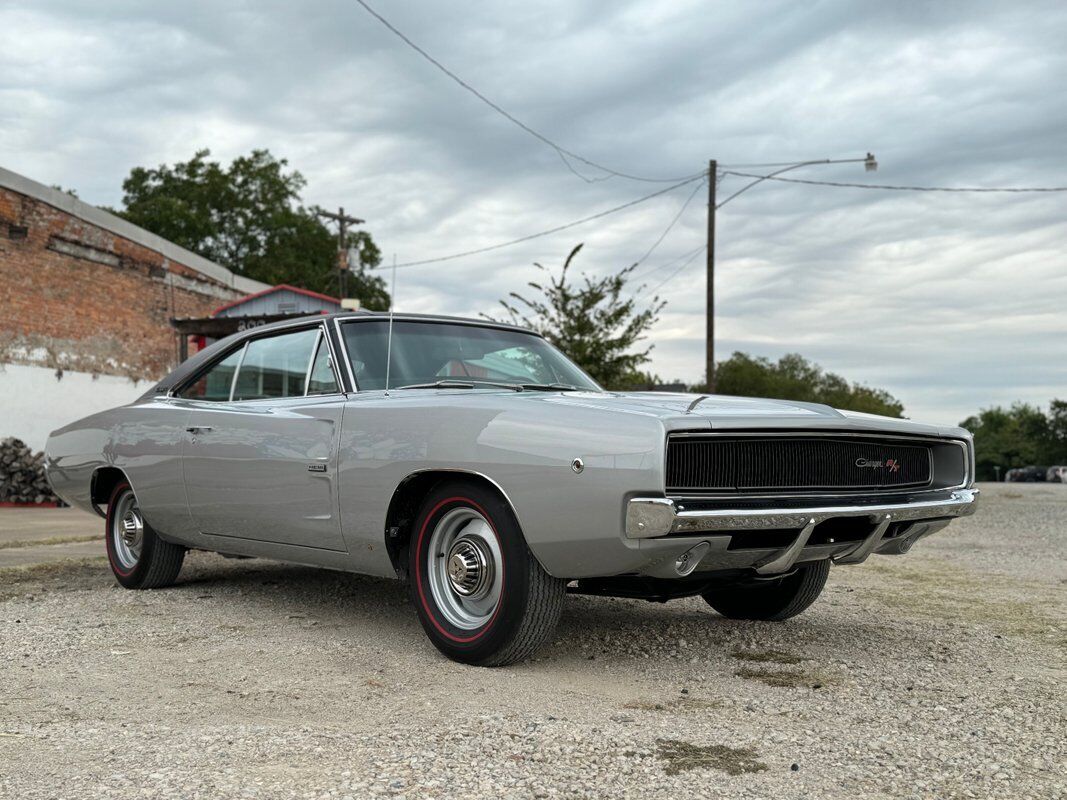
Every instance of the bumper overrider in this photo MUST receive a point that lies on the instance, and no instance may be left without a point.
(703, 533)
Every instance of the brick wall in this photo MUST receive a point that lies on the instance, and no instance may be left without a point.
(76, 296)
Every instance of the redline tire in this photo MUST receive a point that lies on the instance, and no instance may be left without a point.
(138, 562)
(771, 600)
(529, 603)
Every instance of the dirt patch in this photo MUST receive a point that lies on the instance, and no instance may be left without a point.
(683, 756)
(783, 678)
(944, 591)
(767, 656)
(53, 575)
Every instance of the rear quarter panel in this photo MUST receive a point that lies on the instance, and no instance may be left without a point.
(144, 441)
(74, 452)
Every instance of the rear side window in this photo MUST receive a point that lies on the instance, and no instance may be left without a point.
(276, 366)
(215, 384)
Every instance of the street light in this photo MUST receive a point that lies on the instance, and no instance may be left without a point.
(870, 164)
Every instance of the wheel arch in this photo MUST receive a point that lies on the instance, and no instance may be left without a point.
(102, 484)
(405, 502)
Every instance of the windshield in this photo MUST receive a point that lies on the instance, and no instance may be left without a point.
(429, 352)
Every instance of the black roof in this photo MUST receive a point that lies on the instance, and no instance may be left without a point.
(191, 365)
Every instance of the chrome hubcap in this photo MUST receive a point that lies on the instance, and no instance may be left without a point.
(464, 568)
(127, 531)
(132, 528)
(469, 567)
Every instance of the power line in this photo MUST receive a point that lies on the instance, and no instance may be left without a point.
(556, 229)
(677, 216)
(666, 264)
(692, 255)
(682, 266)
(892, 188)
(537, 135)
(585, 178)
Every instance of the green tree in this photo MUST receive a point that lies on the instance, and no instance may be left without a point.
(591, 321)
(1017, 437)
(249, 218)
(793, 377)
(1057, 425)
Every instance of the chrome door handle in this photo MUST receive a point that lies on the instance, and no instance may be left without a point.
(199, 429)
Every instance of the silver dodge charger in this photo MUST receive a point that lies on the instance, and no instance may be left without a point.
(476, 462)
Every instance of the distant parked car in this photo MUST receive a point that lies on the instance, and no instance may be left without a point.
(1035, 474)
(1056, 475)
(1032, 474)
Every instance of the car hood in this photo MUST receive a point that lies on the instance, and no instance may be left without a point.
(721, 412)
(695, 406)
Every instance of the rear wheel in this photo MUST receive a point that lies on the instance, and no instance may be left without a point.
(771, 600)
(480, 594)
(139, 558)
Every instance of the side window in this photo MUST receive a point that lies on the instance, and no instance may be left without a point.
(215, 384)
(322, 377)
(275, 366)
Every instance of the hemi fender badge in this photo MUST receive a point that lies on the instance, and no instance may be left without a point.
(316, 467)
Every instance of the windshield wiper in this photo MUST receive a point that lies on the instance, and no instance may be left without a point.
(515, 387)
(551, 387)
(462, 385)
(439, 385)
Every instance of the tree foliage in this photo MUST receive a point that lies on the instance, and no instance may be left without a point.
(249, 218)
(1017, 437)
(793, 377)
(591, 321)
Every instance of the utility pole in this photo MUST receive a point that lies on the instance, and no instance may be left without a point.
(709, 353)
(870, 164)
(343, 221)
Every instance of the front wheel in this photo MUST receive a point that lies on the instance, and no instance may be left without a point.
(480, 594)
(138, 557)
(771, 600)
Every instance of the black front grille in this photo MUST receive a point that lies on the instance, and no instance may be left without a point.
(794, 464)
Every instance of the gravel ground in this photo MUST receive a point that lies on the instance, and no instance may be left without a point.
(938, 674)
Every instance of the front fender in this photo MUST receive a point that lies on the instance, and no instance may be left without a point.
(573, 521)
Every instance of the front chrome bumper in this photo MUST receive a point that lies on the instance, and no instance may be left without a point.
(653, 520)
(648, 517)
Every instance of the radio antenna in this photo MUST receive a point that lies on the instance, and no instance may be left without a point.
(389, 344)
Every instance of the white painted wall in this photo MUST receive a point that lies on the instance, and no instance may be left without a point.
(33, 403)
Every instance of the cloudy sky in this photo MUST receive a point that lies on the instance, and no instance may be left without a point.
(950, 301)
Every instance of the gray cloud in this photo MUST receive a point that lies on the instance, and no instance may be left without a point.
(952, 302)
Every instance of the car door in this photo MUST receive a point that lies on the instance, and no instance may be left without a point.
(259, 460)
